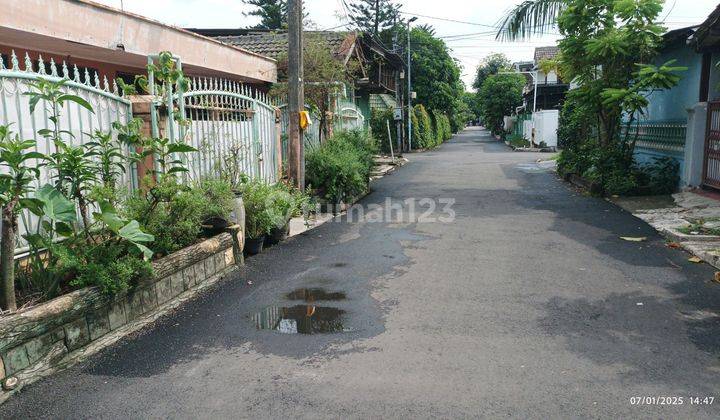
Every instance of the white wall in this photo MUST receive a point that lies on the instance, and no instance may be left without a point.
(545, 127)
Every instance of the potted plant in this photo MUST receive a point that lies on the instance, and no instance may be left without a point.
(219, 203)
(281, 206)
(258, 220)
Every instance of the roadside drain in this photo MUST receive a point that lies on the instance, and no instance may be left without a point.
(314, 294)
(300, 319)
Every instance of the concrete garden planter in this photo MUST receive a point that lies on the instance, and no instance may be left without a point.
(40, 340)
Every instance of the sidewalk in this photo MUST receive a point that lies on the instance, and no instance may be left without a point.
(383, 166)
(689, 219)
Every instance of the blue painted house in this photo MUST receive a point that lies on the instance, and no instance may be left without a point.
(663, 129)
(684, 121)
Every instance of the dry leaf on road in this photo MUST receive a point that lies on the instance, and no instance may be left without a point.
(633, 238)
(695, 259)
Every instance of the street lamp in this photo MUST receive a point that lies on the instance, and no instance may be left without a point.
(409, 84)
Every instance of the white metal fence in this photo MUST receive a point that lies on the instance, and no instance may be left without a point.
(230, 125)
(76, 122)
(348, 116)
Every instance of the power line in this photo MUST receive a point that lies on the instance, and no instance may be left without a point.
(495, 27)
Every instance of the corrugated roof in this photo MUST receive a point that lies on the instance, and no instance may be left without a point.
(542, 53)
(272, 44)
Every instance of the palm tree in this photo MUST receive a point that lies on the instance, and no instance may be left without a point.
(531, 17)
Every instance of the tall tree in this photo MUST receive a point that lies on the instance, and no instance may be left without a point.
(490, 65)
(435, 75)
(272, 13)
(499, 95)
(374, 16)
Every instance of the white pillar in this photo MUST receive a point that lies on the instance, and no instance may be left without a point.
(694, 152)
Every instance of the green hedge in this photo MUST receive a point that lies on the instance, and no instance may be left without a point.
(340, 168)
(442, 126)
(425, 136)
(378, 126)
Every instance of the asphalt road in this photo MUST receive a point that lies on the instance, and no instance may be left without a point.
(526, 305)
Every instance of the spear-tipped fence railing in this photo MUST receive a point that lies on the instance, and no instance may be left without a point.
(76, 123)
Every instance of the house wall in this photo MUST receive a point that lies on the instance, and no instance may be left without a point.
(714, 86)
(83, 29)
(672, 104)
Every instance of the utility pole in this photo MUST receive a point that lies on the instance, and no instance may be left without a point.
(409, 86)
(398, 96)
(296, 100)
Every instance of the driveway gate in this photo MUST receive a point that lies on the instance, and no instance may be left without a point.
(711, 163)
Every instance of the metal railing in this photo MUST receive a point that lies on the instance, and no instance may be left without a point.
(518, 126)
(660, 135)
(348, 116)
(230, 124)
(76, 123)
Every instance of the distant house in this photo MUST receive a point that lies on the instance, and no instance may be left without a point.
(379, 69)
(550, 88)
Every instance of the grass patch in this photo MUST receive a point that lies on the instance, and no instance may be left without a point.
(517, 141)
(699, 227)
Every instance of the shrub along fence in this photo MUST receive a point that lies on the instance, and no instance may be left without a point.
(232, 126)
(658, 140)
(79, 123)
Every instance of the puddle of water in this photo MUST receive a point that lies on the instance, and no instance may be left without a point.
(300, 319)
(314, 294)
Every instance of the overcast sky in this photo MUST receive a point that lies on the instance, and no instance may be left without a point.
(449, 17)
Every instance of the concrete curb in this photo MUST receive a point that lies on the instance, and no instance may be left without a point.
(61, 332)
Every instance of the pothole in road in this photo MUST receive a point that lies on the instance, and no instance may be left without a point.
(300, 319)
(314, 294)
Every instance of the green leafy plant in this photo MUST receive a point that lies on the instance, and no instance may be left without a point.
(173, 213)
(340, 168)
(20, 166)
(378, 125)
(516, 140)
(109, 154)
(427, 138)
(500, 94)
(258, 217)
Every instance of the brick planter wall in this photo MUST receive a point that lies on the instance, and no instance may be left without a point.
(57, 333)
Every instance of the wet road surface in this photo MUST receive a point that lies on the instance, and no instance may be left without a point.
(526, 304)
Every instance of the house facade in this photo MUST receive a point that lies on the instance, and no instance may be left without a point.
(377, 73)
(684, 122)
(116, 44)
(551, 88)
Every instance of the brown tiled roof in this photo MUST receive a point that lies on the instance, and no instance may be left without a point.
(542, 53)
(272, 44)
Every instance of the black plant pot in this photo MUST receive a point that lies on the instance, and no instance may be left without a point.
(277, 234)
(254, 246)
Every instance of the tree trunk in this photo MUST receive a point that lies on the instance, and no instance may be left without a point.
(7, 259)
